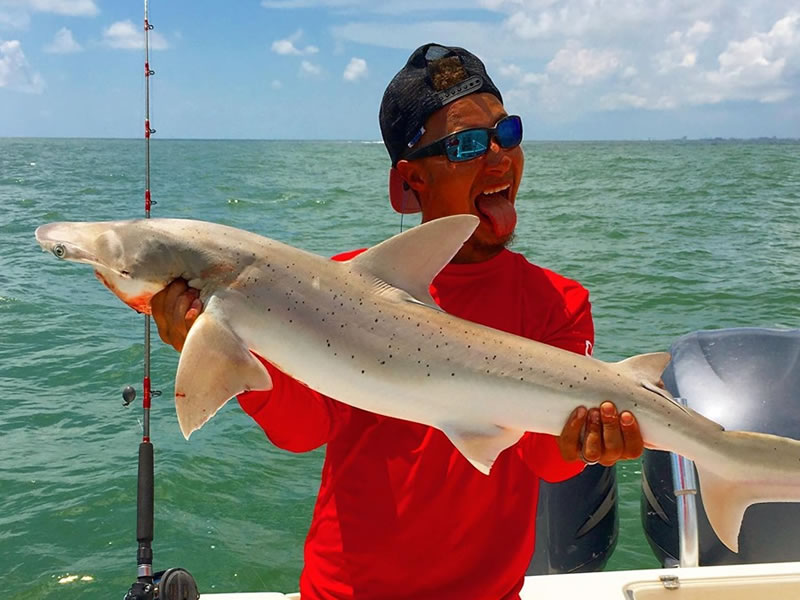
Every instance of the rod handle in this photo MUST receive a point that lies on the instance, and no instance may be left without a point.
(144, 498)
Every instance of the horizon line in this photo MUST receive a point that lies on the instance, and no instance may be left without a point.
(372, 141)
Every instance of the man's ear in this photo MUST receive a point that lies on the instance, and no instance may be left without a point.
(413, 174)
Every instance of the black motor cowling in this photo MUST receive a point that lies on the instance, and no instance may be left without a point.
(577, 523)
(745, 379)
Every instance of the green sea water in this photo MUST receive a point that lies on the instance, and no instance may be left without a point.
(669, 237)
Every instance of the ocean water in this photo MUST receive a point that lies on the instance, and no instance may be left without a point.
(669, 237)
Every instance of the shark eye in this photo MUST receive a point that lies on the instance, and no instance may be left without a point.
(59, 250)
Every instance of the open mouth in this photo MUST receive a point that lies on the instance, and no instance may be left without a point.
(495, 205)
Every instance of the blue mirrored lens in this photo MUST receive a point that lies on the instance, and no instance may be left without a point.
(509, 132)
(467, 145)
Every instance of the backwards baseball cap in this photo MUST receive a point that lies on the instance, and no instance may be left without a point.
(412, 96)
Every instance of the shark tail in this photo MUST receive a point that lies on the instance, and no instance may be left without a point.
(766, 469)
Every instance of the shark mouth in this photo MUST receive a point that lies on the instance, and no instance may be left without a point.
(495, 205)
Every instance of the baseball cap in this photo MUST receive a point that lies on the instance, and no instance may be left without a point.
(411, 97)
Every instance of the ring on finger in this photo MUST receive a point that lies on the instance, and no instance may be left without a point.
(586, 460)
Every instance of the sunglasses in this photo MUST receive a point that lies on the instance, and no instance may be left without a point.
(472, 143)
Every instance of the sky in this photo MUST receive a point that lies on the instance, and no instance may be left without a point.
(316, 69)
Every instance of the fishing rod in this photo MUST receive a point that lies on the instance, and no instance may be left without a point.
(175, 583)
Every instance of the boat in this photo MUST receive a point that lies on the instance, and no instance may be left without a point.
(743, 378)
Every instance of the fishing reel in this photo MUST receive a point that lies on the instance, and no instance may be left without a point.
(172, 584)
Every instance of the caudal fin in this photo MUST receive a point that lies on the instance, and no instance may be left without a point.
(750, 468)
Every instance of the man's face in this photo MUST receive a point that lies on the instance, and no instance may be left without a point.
(485, 186)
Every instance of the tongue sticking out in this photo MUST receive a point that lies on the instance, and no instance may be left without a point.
(500, 212)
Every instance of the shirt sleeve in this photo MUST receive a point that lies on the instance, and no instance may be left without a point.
(575, 332)
(541, 454)
(294, 417)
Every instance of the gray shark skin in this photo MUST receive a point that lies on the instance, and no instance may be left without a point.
(367, 333)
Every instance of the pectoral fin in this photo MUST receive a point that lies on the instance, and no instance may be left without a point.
(214, 366)
(481, 447)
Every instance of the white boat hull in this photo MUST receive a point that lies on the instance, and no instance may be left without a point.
(776, 581)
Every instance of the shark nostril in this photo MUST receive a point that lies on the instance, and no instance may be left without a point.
(59, 250)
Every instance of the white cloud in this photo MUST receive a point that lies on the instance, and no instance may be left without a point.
(537, 19)
(356, 69)
(661, 55)
(72, 8)
(699, 31)
(15, 72)
(16, 14)
(287, 46)
(127, 36)
(288, 4)
(576, 65)
(63, 43)
(487, 40)
(510, 70)
(309, 69)
(374, 6)
(682, 48)
(276, 84)
(754, 68)
(14, 19)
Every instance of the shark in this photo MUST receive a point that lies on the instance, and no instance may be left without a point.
(368, 333)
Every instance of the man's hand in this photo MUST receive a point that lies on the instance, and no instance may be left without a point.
(600, 435)
(175, 309)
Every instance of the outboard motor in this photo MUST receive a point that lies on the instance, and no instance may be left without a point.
(576, 523)
(745, 379)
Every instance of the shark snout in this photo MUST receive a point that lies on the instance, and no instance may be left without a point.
(64, 242)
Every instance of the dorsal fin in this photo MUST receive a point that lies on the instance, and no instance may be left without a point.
(648, 367)
(647, 370)
(410, 260)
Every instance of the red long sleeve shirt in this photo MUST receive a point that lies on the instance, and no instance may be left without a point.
(400, 512)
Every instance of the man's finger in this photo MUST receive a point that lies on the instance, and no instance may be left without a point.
(191, 315)
(569, 440)
(632, 436)
(157, 310)
(613, 444)
(179, 327)
(174, 289)
(593, 440)
(161, 304)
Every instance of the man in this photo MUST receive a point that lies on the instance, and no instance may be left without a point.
(400, 512)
